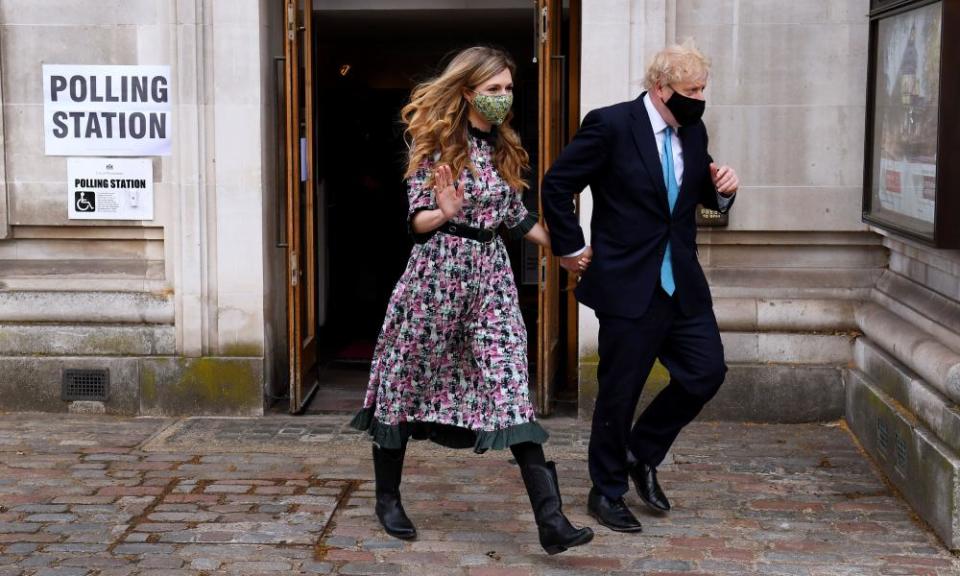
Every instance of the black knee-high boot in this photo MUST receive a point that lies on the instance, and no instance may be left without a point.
(387, 469)
(540, 478)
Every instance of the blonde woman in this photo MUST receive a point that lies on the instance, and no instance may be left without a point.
(451, 361)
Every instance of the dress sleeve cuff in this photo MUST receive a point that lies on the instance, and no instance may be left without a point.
(419, 238)
(525, 225)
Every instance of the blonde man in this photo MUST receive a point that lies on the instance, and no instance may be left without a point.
(647, 166)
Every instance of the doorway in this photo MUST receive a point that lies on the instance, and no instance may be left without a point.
(364, 62)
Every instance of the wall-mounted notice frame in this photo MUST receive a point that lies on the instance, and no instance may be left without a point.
(912, 156)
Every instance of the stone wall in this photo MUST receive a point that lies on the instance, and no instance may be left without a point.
(903, 391)
(189, 283)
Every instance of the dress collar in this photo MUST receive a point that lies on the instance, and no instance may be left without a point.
(488, 137)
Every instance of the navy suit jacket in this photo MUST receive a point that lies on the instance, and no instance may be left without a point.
(615, 153)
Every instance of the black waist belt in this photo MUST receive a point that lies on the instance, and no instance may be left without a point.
(462, 230)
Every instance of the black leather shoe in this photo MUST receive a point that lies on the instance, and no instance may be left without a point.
(613, 514)
(645, 478)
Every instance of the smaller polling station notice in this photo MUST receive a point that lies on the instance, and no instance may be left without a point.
(107, 110)
(110, 188)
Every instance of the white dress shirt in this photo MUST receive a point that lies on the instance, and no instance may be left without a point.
(659, 126)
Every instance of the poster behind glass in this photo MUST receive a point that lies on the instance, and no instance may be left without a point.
(906, 116)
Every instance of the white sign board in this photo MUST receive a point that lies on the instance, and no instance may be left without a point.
(110, 188)
(107, 110)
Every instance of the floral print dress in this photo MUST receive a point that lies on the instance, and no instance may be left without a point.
(451, 361)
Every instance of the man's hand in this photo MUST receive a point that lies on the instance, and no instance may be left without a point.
(579, 263)
(724, 179)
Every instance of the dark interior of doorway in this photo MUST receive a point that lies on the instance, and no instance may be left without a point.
(367, 63)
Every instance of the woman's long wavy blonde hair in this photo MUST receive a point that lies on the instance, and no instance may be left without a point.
(436, 118)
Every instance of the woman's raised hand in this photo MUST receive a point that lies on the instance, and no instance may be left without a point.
(449, 199)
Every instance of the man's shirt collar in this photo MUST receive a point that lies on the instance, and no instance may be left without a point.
(656, 120)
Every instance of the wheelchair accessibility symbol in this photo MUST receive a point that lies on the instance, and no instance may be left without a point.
(85, 201)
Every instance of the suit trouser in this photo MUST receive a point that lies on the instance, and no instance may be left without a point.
(689, 347)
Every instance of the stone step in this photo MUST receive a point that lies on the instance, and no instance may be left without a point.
(838, 257)
(86, 307)
(920, 351)
(81, 249)
(787, 348)
(926, 309)
(913, 458)
(84, 275)
(786, 282)
(86, 339)
(778, 393)
(709, 236)
(784, 314)
(900, 383)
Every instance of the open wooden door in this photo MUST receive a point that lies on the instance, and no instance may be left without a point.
(552, 67)
(301, 220)
(568, 298)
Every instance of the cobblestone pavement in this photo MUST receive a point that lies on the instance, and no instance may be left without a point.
(102, 496)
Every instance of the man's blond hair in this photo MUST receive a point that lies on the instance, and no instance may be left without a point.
(677, 63)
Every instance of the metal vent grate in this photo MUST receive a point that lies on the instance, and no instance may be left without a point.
(883, 437)
(85, 385)
(901, 460)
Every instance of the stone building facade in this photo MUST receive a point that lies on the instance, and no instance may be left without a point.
(823, 317)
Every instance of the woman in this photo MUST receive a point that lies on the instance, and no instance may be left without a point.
(451, 361)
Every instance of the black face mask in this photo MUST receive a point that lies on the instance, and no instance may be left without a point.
(685, 109)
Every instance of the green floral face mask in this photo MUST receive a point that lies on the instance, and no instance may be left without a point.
(494, 108)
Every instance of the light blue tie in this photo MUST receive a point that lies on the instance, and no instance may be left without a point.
(670, 179)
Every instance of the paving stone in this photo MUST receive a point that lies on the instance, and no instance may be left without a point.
(40, 508)
(182, 517)
(75, 548)
(50, 518)
(205, 564)
(382, 544)
(369, 569)
(39, 560)
(20, 549)
(139, 549)
(258, 567)
(228, 489)
(63, 572)
(341, 541)
(137, 537)
(18, 527)
(160, 562)
(317, 567)
(98, 562)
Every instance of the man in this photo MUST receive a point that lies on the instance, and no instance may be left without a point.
(647, 166)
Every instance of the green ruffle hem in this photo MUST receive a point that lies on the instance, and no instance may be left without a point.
(392, 436)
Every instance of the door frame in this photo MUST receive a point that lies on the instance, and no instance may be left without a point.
(559, 117)
(553, 134)
(300, 210)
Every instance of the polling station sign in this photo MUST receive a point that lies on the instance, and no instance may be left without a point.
(110, 188)
(107, 110)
